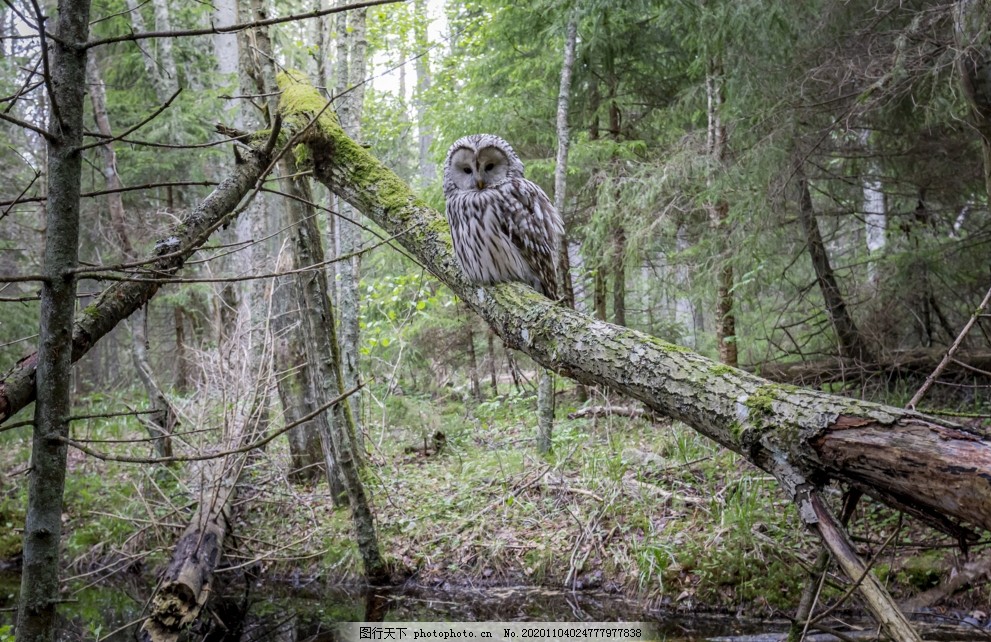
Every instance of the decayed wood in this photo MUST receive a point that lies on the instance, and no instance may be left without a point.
(186, 583)
(876, 596)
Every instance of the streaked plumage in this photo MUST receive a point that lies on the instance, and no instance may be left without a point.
(504, 226)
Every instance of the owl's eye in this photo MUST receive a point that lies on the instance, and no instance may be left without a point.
(467, 170)
(488, 168)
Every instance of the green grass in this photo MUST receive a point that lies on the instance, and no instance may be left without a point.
(651, 510)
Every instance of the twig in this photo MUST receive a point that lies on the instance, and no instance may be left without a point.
(878, 600)
(243, 449)
(108, 140)
(950, 352)
(213, 30)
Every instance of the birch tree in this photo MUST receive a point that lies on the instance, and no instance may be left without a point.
(545, 388)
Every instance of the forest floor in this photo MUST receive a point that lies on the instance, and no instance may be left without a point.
(642, 508)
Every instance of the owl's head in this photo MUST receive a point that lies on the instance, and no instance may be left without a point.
(480, 161)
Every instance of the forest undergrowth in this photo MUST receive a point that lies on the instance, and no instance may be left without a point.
(640, 507)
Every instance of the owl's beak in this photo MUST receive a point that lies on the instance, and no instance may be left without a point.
(480, 183)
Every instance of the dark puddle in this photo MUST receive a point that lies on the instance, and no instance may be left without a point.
(253, 611)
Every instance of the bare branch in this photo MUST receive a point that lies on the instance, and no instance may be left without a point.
(237, 27)
(26, 125)
(917, 397)
(104, 192)
(243, 449)
(104, 140)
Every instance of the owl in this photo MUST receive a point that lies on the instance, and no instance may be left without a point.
(504, 226)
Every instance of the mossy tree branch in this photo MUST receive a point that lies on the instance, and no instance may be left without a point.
(804, 438)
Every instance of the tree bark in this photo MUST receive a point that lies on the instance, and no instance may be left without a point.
(851, 344)
(428, 171)
(321, 369)
(39, 595)
(473, 381)
(351, 79)
(718, 214)
(545, 411)
(803, 438)
(168, 81)
(293, 379)
(183, 378)
(329, 369)
(162, 421)
(186, 584)
(563, 143)
(545, 388)
(599, 292)
(619, 276)
(493, 379)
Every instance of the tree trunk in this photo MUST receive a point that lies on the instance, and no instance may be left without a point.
(293, 378)
(186, 584)
(563, 141)
(599, 293)
(428, 171)
(46, 478)
(320, 378)
(183, 378)
(225, 50)
(473, 382)
(875, 212)
(168, 81)
(545, 389)
(161, 422)
(351, 78)
(851, 345)
(619, 276)
(804, 438)
(493, 380)
(684, 310)
(318, 326)
(545, 411)
(718, 214)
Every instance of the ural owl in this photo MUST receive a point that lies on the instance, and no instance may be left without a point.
(504, 226)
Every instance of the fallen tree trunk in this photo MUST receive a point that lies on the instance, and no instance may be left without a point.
(804, 438)
(186, 584)
(117, 302)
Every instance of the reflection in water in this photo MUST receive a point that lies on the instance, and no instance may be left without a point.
(250, 611)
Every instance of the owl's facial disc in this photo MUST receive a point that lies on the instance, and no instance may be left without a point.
(463, 168)
(492, 166)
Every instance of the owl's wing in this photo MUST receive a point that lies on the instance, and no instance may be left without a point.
(536, 228)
